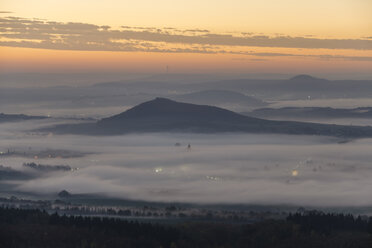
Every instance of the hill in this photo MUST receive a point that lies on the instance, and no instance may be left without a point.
(164, 115)
(220, 98)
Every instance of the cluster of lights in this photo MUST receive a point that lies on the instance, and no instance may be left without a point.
(212, 178)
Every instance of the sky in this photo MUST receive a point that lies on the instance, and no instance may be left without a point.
(236, 36)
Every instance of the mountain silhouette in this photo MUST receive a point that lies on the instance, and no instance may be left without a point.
(163, 108)
(304, 77)
(219, 97)
(164, 115)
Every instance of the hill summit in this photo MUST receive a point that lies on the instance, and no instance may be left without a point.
(163, 108)
(164, 115)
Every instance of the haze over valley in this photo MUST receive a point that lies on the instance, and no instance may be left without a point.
(229, 167)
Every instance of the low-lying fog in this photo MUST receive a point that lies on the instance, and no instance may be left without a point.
(221, 168)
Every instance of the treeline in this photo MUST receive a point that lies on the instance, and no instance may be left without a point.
(7, 173)
(47, 168)
(328, 222)
(35, 228)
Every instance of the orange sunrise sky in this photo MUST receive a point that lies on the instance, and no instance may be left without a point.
(188, 36)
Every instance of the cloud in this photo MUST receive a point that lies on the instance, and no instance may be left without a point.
(197, 30)
(36, 33)
(6, 12)
(350, 58)
(325, 57)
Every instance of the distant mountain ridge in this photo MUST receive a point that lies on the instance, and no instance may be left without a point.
(305, 77)
(132, 92)
(296, 87)
(219, 98)
(164, 115)
(18, 117)
(311, 112)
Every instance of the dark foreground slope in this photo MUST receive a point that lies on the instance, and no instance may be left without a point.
(164, 115)
(34, 228)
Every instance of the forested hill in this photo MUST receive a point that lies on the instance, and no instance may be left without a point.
(34, 228)
(164, 115)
